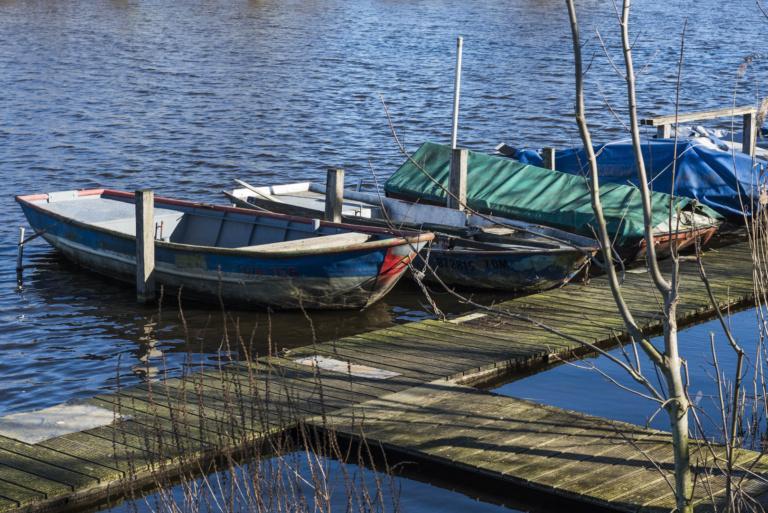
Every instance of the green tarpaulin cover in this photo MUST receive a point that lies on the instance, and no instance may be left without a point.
(507, 188)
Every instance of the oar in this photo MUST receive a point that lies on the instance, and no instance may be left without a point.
(256, 191)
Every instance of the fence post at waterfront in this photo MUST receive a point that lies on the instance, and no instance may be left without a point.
(145, 245)
(548, 154)
(458, 180)
(334, 194)
(748, 133)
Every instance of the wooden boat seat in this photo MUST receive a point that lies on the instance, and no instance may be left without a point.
(336, 241)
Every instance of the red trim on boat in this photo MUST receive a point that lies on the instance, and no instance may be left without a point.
(40, 197)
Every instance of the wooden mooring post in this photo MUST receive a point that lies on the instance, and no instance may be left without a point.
(548, 154)
(748, 133)
(145, 245)
(334, 194)
(458, 181)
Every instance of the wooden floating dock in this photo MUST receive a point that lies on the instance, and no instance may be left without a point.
(396, 379)
(575, 457)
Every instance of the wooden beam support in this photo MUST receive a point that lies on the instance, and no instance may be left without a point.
(698, 116)
(548, 154)
(334, 194)
(145, 245)
(748, 133)
(458, 180)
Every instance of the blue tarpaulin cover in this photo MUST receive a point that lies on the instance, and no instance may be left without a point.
(725, 181)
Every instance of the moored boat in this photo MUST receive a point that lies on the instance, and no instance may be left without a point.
(242, 256)
(469, 251)
(513, 190)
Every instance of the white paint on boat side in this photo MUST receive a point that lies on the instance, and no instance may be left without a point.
(37, 426)
(62, 196)
(468, 317)
(344, 367)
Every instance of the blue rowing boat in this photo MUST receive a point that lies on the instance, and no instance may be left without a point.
(242, 256)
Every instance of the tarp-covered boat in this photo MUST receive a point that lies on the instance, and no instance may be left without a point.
(245, 257)
(508, 188)
(726, 181)
(468, 251)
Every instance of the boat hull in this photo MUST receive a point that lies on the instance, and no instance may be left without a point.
(681, 241)
(349, 279)
(521, 272)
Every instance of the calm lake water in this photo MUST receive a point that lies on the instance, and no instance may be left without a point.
(184, 97)
(578, 386)
(349, 487)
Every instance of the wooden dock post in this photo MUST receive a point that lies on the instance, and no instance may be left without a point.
(458, 180)
(334, 194)
(748, 133)
(548, 154)
(145, 245)
(20, 251)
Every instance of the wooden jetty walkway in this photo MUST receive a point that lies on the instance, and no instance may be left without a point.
(524, 445)
(394, 380)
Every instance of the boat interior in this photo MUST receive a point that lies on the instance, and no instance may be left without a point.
(196, 225)
(456, 229)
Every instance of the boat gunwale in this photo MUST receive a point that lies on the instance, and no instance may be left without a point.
(399, 238)
(513, 252)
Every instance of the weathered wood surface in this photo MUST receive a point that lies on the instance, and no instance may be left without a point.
(685, 117)
(145, 245)
(567, 454)
(334, 194)
(457, 185)
(484, 343)
(748, 115)
(190, 420)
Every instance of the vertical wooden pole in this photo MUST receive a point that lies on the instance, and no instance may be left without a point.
(663, 132)
(458, 179)
(145, 245)
(20, 250)
(456, 92)
(548, 154)
(748, 133)
(334, 194)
